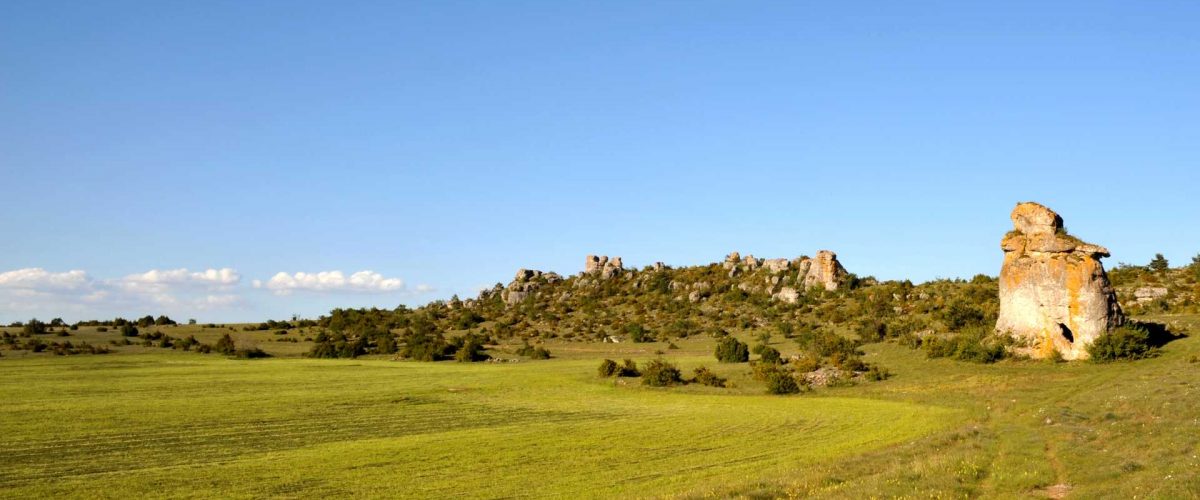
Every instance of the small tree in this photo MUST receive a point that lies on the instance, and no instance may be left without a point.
(128, 330)
(225, 345)
(470, 352)
(33, 327)
(1159, 264)
(732, 350)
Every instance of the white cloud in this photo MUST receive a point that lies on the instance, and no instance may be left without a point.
(331, 281)
(181, 276)
(38, 279)
(175, 291)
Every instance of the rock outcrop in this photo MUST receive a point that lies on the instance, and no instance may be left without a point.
(525, 283)
(822, 271)
(1054, 293)
(602, 265)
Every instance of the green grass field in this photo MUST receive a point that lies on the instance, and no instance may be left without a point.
(158, 423)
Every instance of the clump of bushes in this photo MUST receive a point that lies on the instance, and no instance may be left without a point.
(471, 351)
(978, 345)
(661, 373)
(533, 352)
(732, 350)
(1132, 341)
(610, 368)
(779, 380)
(705, 376)
(767, 354)
(225, 345)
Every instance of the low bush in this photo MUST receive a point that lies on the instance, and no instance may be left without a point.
(978, 345)
(876, 374)
(780, 381)
(769, 355)
(226, 346)
(608, 368)
(629, 369)
(470, 352)
(732, 350)
(705, 376)
(661, 373)
(1131, 341)
(533, 352)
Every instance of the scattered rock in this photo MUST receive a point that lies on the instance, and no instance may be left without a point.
(776, 265)
(1053, 289)
(787, 294)
(1148, 294)
(732, 260)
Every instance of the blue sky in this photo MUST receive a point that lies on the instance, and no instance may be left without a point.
(440, 146)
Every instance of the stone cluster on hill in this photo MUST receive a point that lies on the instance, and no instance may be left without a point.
(1054, 293)
(781, 279)
(526, 282)
(603, 266)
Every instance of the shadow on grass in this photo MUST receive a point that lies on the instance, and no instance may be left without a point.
(1159, 334)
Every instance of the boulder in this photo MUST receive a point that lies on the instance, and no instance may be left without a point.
(787, 294)
(602, 265)
(1054, 293)
(824, 271)
(776, 265)
(1149, 293)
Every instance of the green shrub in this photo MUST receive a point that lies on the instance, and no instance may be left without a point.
(876, 373)
(423, 346)
(977, 345)
(637, 333)
(769, 355)
(608, 368)
(1131, 341)
(661, 373)
(224, 346)
(780, 381)
(470, 352)
(129, 330)
(705, 376)
(732, 350)
(629, 369)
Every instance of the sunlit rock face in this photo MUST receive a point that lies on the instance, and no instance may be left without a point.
(824, 271)
(1054, 293)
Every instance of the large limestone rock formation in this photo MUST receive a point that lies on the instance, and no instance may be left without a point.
(822, 271)
(526, 283)
(1053, 290)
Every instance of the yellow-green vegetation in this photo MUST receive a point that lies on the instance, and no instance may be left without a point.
(169, 423)
(173, 424)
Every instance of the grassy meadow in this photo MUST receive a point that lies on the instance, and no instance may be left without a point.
(150, 422)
